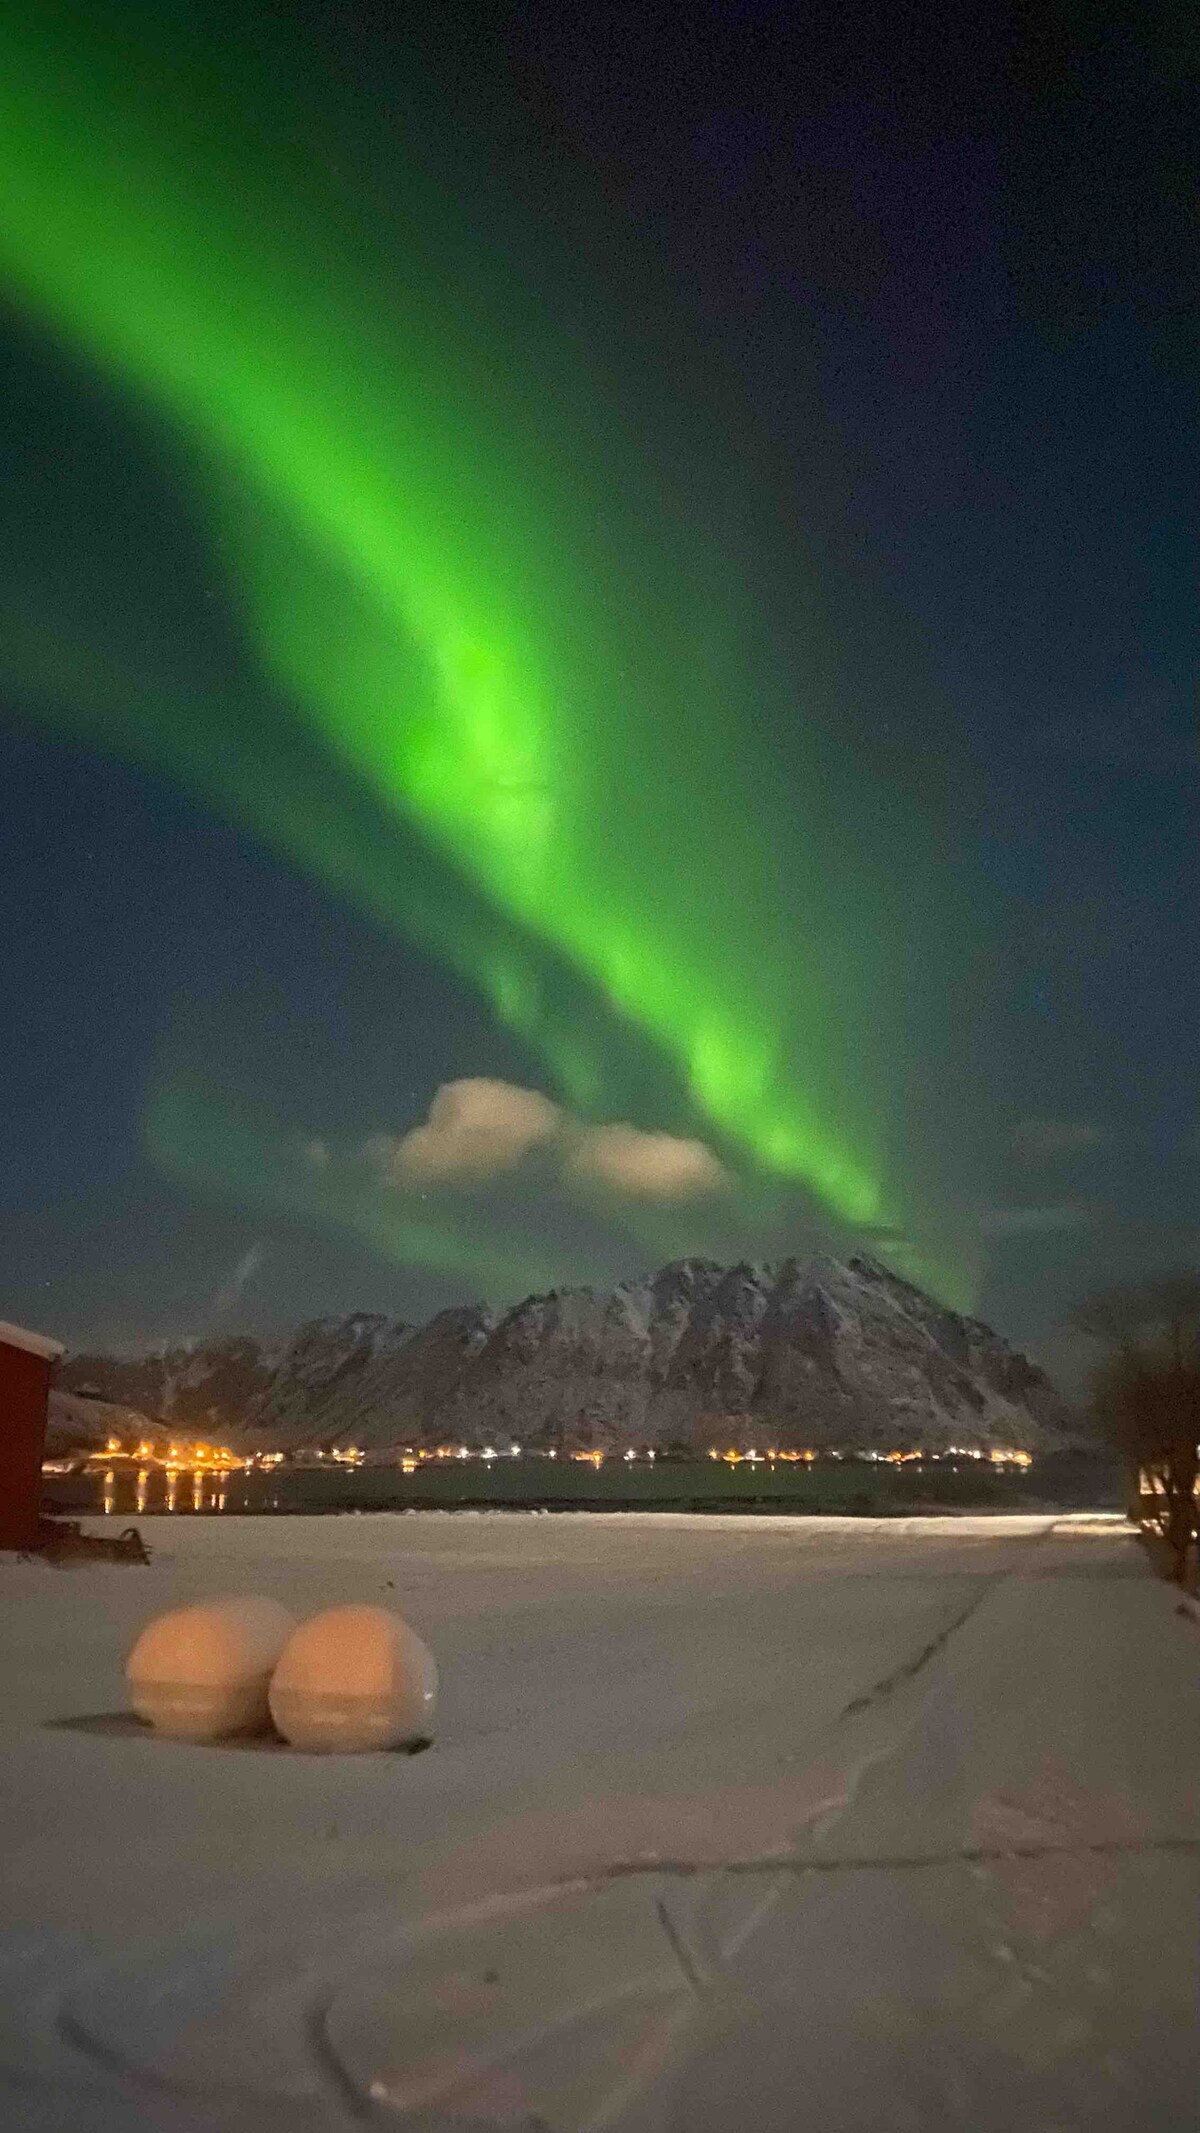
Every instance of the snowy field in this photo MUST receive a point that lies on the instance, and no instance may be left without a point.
(585, 1664)
(651, 1718)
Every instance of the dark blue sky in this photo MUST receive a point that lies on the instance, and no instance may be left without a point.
(911, 313)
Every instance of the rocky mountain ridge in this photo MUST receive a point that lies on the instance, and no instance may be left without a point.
(75, 1424)
(200, 1389)
(805, 1353)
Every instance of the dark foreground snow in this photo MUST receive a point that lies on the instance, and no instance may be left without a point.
(728, 1823)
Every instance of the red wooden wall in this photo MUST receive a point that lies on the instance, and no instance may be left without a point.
(24, 1386)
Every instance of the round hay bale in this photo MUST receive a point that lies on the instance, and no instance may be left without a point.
(353, 1679)
(202, 1673)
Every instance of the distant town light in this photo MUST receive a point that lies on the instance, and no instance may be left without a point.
(198, 1459)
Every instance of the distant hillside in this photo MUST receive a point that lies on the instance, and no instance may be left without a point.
(75, 1425)
(202, 1390)
(814, 1352)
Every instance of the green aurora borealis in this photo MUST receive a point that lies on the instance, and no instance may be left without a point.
(421, 563)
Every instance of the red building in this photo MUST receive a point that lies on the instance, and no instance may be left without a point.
(26, 1361)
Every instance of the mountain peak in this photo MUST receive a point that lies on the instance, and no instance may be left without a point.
(800, 1352)
(804, 1352)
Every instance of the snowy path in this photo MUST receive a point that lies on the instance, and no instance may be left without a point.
(725, 1816)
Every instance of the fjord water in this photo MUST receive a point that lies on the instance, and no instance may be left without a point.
(532, 1484)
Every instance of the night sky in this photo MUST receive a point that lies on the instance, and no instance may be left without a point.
(597, 653)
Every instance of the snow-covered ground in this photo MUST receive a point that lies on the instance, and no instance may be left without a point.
(697, 1783)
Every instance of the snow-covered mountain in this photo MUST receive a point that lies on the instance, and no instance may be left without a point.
(201, 1389)
(371, 1380)
(77, 1425)
(804, 1353)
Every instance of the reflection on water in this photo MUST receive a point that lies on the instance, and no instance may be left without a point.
(142, 1488)
(125, 1492)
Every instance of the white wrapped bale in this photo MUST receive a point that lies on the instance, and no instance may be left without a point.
(202, 1673)
(353, 1679)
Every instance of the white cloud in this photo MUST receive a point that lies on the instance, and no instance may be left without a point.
(1041, 1139)
(479, 1129)
(475, 1129)
(646, 1166)
(316, 1155)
